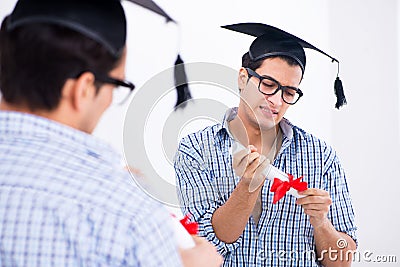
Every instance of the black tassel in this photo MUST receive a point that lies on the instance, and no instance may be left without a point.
(340, 98)
(181, 83)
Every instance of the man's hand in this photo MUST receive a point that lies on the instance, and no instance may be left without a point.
(249, 165)
(204, 254)
(316, 204)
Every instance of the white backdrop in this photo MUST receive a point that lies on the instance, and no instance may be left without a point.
(363, 34)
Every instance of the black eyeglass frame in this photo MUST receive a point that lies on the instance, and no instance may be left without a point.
(280, 87)
(107, 79)
(117, 82)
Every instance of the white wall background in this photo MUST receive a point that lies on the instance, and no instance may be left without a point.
(363, 34)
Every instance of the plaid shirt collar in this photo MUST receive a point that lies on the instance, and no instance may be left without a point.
(223, 133)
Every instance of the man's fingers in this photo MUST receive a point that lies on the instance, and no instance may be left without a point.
(250, 170)
(253, 157)
(246, 160)
(258, 177)
(245, 164)
(239, 157)
(252, 148)
(314, 200)
(316, 207)
(314, 192)
(263, 164)
(253, 162)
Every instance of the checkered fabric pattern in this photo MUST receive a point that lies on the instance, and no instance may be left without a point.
(283, 236)
(65, 200)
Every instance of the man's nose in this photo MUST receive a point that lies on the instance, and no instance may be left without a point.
(275, 99)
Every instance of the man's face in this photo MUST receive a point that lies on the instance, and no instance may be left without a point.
(260, 111)
(104, 97)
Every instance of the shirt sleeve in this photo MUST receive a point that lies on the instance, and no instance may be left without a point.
(197, 193)
(154, 246)
(341, 211)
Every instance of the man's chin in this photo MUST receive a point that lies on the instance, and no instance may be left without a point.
(266, 128)
(267, 124)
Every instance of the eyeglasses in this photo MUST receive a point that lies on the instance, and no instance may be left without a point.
(269, 86)
(122, 92)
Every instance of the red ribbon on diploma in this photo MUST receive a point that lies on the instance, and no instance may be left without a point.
(280, 187)
(191, 227)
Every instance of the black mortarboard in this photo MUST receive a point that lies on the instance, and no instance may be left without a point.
(101, 20)
(150, 5)
(272, 41)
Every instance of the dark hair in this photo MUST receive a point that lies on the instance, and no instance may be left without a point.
(248, 63)
(37, 59)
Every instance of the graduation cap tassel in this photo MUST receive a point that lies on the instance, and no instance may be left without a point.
(340, 97)
(181, 83)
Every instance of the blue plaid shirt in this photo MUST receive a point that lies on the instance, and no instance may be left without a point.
(65, 200)
(284, 235)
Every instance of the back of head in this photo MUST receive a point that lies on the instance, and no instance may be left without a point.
(45, 42)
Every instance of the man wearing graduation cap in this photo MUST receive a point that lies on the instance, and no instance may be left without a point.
(65, 198)
(251, 220)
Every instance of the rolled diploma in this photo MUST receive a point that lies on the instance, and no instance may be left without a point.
(270, 172)
(184, 239)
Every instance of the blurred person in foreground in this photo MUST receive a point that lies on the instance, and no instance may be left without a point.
(65, 198)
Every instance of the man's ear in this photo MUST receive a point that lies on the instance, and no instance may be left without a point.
(242, 79)
(82, 90)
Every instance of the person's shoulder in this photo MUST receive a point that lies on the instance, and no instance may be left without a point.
(305, 138)
(303, 134)
(195, 147)
(197, 139)
(206, 132)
